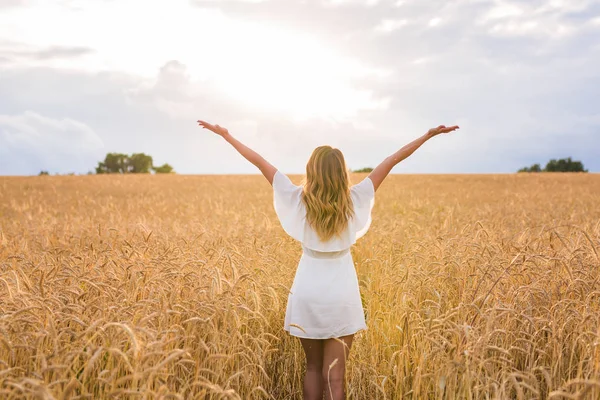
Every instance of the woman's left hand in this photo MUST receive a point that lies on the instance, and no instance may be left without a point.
(219, 130)
(441, 129)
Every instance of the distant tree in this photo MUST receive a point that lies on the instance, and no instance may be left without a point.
(43, 173)
(163, 169)
(118, 163)
(139, 163)
(564, 165)
(561, 165)
(367, 169)
(533, 168)
(114, 163)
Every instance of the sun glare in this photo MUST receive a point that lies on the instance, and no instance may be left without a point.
(266, 67)
(276, 70)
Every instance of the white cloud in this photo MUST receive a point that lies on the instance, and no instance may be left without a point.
(171, 92)
(435, 21)
(390, 25)
(30, 142)
(565, 5)
(421, 60)
(11, 3)
(550, 20)
(532, 27)
(502, 10)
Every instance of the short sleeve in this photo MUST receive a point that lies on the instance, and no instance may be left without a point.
(363, 198)
(288, 205)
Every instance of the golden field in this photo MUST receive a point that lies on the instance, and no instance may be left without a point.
(474, 287)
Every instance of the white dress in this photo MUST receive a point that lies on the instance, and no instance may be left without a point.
(324, 300)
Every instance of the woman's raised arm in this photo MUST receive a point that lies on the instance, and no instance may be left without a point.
(382, 170)
(263, 165)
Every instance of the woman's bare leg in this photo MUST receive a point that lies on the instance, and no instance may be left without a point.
(313, 380)
(335, 354)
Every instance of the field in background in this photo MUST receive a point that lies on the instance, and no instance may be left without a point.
(481, 286)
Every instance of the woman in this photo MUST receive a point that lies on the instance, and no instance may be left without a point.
(327, 216)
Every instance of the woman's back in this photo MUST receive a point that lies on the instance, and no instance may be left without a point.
(324, 300)
(290, 209)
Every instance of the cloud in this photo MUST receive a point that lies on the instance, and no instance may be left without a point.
(367, 76)
(390, 25)
(553, 19)
(170, 92)
(30, 142)
(11, 3)
(18, 53)
(60, 52)
(434, 21)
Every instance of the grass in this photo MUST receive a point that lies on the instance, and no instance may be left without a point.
(481, 286)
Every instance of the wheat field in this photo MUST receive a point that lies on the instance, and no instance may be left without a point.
(175, 287)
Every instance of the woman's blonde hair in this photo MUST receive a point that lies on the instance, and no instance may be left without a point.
(326, 192)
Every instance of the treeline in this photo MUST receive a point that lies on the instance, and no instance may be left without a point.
(561, 165)
(137, 163)
(119, 163)
(44, 172)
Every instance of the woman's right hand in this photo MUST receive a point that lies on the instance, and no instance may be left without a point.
(441, 129)
(219, 130)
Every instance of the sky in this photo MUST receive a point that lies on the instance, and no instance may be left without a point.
(81, 78)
